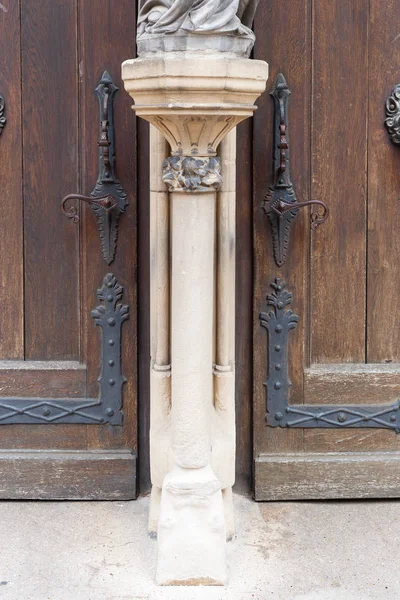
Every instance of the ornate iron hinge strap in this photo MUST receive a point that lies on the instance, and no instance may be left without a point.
(392, 120)
(108, 407)
(278, 322)
(3, 119)
(108, 200)
(280, 203)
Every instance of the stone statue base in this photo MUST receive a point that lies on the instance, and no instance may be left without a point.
(150, 44)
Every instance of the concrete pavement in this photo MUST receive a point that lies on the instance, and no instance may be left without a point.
(283, 551)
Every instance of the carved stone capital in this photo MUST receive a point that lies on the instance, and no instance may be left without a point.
(190, 174)
(194, 101)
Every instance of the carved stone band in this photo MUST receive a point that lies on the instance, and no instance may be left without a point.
(190, 174)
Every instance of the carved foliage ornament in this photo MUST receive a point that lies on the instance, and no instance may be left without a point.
(392, 120)
(189, 174)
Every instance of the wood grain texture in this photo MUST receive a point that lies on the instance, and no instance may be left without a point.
(11, 223)
(339, 162)
(355, 54)
(106, 39)
(49, 119)
(67, 476)
(287, 48)
(340, 283)
(33, 379)
(335, 476)
(352, 384)
(143, 306)
(43, 437)
(60, 282)
(50, 124)
(244, 309)
(383, 300)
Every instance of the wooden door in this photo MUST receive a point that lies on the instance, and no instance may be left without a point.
(62, 434)
(333, 432)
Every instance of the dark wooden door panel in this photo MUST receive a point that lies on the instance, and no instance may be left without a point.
(288, 50)
(11, 223)
(341, 65)
(53, 54)
(50, 155)
(383, 299)
(244, 308)
(339, 178)
(106, 40)
(67, 475)
(27, 204)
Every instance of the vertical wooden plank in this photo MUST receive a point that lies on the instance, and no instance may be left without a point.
(143, 306)
(50, 111)
(339, 178)
(339, 130)
(11, 239)
(49, 62)
(383, 300)
(244, 308)
(283, 40)
(107, 38)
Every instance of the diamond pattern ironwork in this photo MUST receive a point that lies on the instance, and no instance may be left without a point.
(278, 322)
(109, 315)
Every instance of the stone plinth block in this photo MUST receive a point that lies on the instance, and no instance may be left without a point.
(191, 531)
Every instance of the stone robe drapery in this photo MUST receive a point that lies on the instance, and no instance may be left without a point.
(196, 16)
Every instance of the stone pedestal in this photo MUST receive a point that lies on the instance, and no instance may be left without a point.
(194, 101)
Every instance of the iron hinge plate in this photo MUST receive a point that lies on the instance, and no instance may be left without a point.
(278, 322)
(109, 315)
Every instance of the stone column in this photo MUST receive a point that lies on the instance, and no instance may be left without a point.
(160, 344)
(195, 100)
(224, 430)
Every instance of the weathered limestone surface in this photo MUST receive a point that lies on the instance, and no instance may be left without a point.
(193, 83)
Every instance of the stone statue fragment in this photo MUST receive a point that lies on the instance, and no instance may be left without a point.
(196, 17)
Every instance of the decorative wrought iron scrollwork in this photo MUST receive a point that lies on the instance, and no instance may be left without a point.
(109, 315)
(280, 203)
(278, 322)
(3, 119)
(392, 120)
(108, 199)
(71, 212)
